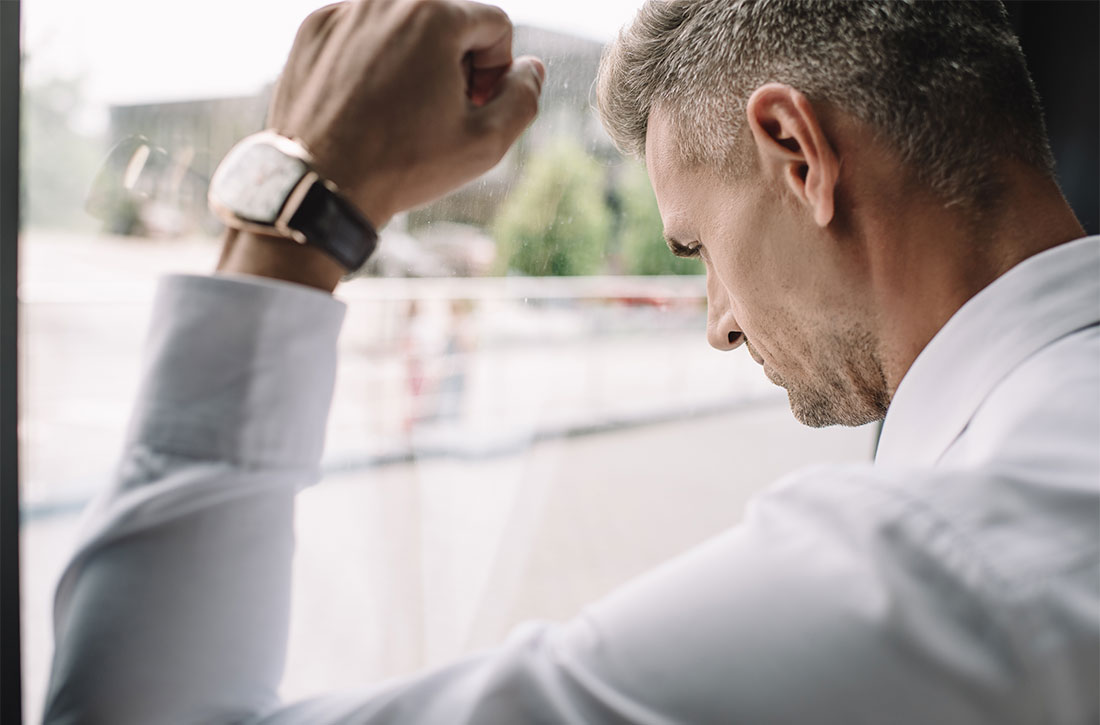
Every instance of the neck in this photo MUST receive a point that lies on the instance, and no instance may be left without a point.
(932, 260)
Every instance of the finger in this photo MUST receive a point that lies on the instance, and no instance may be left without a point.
(515, 104)
(487, 36)
(484, 84)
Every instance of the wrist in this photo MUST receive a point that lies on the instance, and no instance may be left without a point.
(268, 188)
(261, 255)
(373, 200)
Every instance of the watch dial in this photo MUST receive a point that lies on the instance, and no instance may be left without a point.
(257, 182)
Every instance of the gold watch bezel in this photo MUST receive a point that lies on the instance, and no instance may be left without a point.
(281, 226)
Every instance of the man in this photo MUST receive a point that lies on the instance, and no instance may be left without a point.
(870, 188)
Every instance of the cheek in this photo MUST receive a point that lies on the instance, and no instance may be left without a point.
(758, 301)
(767, 267)
(733, 275)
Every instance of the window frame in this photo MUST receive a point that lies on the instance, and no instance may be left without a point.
(11, 696)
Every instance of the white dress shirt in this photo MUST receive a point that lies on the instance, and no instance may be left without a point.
(956, 580)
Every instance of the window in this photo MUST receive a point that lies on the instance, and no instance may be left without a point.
(527, 413)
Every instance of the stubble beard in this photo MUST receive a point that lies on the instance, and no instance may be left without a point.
(847, 385)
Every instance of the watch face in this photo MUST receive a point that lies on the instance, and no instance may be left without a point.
(255, 180)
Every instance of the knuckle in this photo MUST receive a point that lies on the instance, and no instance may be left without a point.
(316, 20)
(430, 11)
(496, 14)
(315, 23)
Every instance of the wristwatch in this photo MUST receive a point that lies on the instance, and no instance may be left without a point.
(267, 184)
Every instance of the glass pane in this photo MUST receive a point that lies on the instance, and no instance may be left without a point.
(527, 413)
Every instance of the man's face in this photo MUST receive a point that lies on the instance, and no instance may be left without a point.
(776, 282)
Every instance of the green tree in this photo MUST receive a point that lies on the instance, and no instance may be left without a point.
(643, 246)
(556, 220)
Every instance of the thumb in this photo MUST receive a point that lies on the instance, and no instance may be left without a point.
(515, 103)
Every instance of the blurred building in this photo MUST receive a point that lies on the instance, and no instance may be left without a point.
(196, 134)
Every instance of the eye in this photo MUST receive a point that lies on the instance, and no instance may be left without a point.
(681, 249)
(687, 251)
(697, 251)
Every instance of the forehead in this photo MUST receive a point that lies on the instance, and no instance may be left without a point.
(662, 155)
(681, 190)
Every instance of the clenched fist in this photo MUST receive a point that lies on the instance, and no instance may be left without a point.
(401, 101)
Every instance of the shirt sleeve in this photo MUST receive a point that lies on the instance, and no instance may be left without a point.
(806, 612)
(826, 605)
(174, 607)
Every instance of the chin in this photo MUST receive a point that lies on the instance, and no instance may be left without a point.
(818, 410)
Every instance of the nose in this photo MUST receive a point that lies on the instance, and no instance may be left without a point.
(723, 332)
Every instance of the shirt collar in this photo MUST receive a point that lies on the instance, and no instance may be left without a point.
(1041, 299)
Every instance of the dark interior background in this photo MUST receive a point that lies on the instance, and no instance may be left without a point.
(1060, 41)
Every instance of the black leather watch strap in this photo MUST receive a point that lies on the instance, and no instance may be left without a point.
(332, 224)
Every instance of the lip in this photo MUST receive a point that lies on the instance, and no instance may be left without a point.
(754, 354)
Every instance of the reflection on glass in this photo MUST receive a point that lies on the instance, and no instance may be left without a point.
(526, 412)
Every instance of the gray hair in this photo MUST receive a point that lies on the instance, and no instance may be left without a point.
(944, 84)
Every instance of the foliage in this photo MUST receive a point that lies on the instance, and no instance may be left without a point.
(643, 246)
(556, 220)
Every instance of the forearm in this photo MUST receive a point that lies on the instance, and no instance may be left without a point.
(174, 607)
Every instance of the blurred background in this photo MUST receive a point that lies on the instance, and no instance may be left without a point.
(526, 413)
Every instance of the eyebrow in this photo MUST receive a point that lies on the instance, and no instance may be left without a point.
(679, 248)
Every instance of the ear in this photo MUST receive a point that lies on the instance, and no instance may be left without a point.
(792, 146)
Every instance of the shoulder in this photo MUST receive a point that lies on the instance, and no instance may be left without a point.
(995, 532)
(840, 580)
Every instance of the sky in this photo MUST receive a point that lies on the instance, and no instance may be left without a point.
(139, 51)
